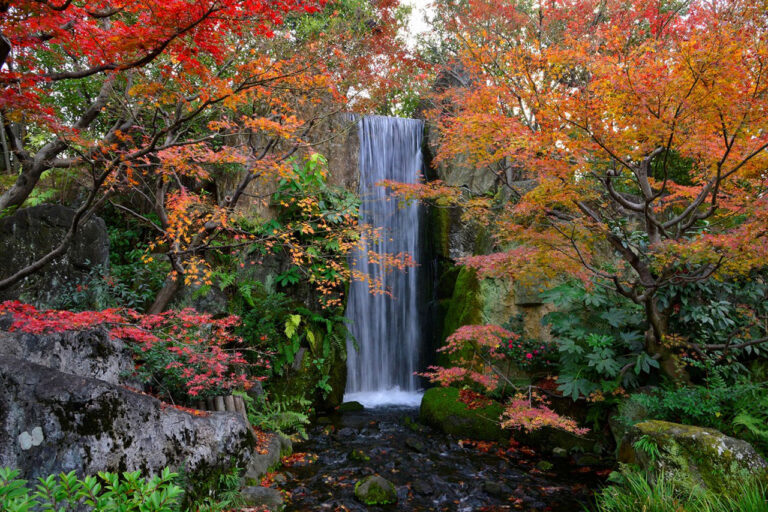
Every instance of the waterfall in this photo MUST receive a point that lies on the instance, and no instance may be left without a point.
(387, 327)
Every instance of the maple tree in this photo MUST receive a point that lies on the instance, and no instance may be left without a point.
(643, 125)
(179, 116)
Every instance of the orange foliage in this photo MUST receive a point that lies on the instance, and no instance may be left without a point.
(641, 125)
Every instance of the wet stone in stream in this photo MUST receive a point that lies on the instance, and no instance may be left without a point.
(430, 470)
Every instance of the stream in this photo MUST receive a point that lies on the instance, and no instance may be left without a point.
(431, 470)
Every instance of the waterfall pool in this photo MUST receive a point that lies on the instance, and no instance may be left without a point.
(430, 470)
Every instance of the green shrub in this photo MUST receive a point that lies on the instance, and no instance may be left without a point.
(599, 336)
(738, 409)
(108, 492)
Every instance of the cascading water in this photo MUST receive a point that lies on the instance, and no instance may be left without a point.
(387, 327)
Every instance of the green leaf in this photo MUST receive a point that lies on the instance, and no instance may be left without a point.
(291, 325)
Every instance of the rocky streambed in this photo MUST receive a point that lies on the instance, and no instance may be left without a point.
(429, 470)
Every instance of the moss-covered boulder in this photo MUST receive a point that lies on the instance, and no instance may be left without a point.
(375, 490)
(350, 407)
(692, 456)
(442, 409)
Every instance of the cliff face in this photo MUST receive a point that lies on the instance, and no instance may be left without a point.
(64, 407)
(459, 296)
(31, 233)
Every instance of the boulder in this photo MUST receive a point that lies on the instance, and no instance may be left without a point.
(375, 490)
(441, 409)
(90, 353)
(265, 459)
(692, 456)
(51, 421)
(31, 233)
(350, 407)
(262, 498)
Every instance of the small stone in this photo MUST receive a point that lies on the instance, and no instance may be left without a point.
(359, 455)
(422, 487)
(492, 488)
(415, 444)
(587, 459)
(544, 465)
(266, 497)
(559, 452)
(346, 432)
(375, 490)
(280, 479)
(350, 407)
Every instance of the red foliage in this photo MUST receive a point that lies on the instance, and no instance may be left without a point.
(474, 348)
(200, 343)
(474, 400)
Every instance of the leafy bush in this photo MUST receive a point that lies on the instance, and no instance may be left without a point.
(316, 227)
(279, 325)
(129, 282)
(599, 336)
(639, 492)
(109, 492)
(737, 409)
(530, 355)
(711, 311)
(476, 351)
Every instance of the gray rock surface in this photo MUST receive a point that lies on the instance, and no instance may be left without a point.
(265, 497)
(90, 353)
(52, 421)
(260, 463)
(31, 233)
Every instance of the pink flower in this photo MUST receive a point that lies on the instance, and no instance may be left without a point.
(529, 355)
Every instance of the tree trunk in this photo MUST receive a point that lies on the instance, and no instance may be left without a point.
(171, 286)
(654, 344)
(20, 190)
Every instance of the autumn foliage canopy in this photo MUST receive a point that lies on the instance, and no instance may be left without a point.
(640, 126)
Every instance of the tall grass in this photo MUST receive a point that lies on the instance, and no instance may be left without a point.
(641, 493)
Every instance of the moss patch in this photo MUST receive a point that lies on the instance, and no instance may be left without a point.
(692, 456)
(441, 409)
(375, 490)
(464, 308)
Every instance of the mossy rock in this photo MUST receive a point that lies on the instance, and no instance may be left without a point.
(692, 456)
(466, 306)
(350, 407)
(441, 409)
(375, 490)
